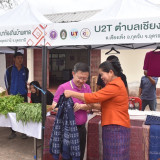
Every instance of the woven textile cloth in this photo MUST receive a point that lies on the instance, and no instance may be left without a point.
(154, 136)
(65, 137)
(93, 144)
(136, 140)
(47, 134)
(154, 145)
(146, 129)
(152, 120)
(139, 140)
(116, 141)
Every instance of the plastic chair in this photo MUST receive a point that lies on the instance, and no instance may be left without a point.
(133, 101)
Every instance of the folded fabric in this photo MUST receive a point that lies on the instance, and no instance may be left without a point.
(154, 142)
(152, 120)
(65, 137)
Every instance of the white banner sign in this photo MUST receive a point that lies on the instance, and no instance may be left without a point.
(104, 32)
(83, 33)
(22, 35)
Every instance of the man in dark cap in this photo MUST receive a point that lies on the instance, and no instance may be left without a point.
(16, 78)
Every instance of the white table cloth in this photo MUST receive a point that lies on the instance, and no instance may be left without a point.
(4, 121)
(141, 115)
(31, 129)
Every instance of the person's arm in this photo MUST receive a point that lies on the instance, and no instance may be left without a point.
(140, 92)
(57, 95)
(6, 79)
(85, 107)
(140, 88)
(95, 106)
(27, 74)
(98, 87)
(151, 80)
(77, 95)
(102, 95)
(78, 106)
(54, 105)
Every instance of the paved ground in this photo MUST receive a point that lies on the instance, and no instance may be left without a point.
(22, 149)
(18, 148)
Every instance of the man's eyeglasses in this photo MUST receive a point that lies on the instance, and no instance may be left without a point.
(82, 78)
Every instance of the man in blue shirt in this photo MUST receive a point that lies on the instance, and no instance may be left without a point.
(16, 78)
(147, 91)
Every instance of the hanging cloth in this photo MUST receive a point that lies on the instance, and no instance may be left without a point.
(152, 63)
(154, 136)
(154, 145)
(65, 137)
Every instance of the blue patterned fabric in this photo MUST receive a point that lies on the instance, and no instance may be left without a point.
(116, 142)
(152, 120)
(154, 142)
(65, 137)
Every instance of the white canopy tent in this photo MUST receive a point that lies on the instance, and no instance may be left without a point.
(130, 23)
(24, 14)
(23, 27)
(123, 9)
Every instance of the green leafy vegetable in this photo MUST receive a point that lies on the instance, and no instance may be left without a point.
(8, 103)
(27, 112)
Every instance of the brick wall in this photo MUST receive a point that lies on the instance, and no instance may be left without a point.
(38, 66)
(95, 60)
(158, 92)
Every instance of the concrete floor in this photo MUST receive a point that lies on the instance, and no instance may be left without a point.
(18, 148)
(22, 149)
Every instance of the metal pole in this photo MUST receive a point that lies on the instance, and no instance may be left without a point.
(89, 64)
(44, 84)
(35, 148)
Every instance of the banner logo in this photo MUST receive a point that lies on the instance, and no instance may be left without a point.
(74, 34)
(63, 34)
(37, 33)
(53, 34)
(85, 33)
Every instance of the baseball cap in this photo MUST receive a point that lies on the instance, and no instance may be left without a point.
(18, 54)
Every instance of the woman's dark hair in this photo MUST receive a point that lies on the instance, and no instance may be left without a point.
(112, 57)
(115, 62)
(80, 67)
(107, 66)
(36, 83)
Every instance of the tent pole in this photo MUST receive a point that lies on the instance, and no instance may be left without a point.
(89, 63)
(44, 84)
